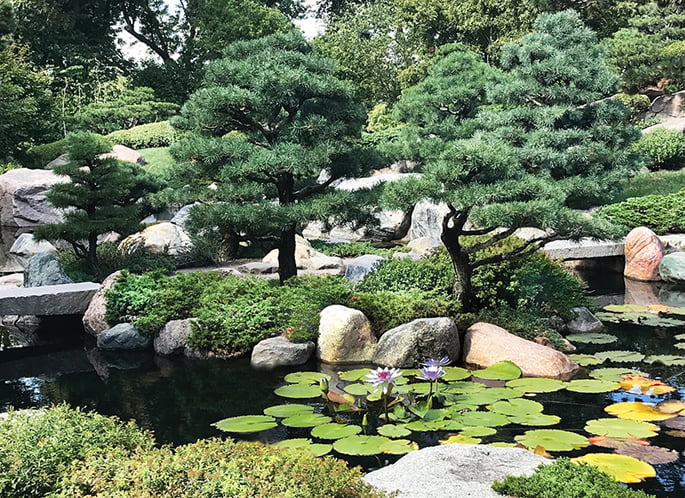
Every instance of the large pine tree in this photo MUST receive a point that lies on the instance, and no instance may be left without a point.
(546, 143)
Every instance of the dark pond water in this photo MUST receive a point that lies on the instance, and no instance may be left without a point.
(179, 399)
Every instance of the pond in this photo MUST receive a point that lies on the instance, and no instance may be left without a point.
(179, 399)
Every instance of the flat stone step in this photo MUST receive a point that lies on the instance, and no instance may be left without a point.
(584, 248)
(48, 300)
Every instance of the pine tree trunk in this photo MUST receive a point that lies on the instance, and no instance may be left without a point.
(286, 255)
(462, 289)
(92, 256)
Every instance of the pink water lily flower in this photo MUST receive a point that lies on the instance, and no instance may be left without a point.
(383, 376)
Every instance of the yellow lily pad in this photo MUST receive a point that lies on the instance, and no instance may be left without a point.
(642, 385)
(460, 439)
(622, 468)
(636, 410)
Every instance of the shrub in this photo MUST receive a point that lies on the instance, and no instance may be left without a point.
(38, 446)
(564, 479)
(638, 105)
(354, 249)
(660, 213)
(665, 148)
(39, 156)
(160, 134)
(131, 295)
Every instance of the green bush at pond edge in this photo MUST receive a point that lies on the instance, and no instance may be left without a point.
(564, 479)
(660, 213)
(62, 452)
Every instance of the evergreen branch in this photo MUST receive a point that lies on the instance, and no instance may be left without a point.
(524, 250)
(481, 231)
(491, 241)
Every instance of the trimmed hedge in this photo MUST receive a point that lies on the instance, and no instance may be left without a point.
(159, 134)
(665, 148)
(660, 213)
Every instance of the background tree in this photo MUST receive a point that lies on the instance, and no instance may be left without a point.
(549, 144)
(269, 118)
(103, 195)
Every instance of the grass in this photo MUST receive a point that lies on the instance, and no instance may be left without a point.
(158, 160)
(656, 182)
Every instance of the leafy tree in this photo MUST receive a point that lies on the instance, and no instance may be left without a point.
(269, 118)
(544, 145)
(103, 195)
(604, 17)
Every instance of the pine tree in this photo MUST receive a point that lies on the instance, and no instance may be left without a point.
(546, 143)
(269, 119)
(102, 195)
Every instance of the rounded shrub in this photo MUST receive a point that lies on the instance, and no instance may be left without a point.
(665, 148)
(159, 134)
(660, 213)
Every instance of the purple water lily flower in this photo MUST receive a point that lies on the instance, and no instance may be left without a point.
(432, 373)
(436, 363)
(383, 376)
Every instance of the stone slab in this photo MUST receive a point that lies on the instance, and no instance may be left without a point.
(583, 248)
(65, 299)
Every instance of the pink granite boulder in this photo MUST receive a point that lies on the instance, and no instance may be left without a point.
(643, 253)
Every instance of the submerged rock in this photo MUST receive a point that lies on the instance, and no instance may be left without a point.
(123, 336)
(279, 351)
(643, 252)
(584, 322)
(345, 336)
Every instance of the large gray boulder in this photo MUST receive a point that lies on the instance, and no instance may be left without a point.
(94, 318)
(173, 338)
(162, 238)
(44, 269)
(408, 345)
(584, 322)
(22, 198)
(672, 268)
(25, 247)
(361, 266)
(457, 470)
(123, 336)
(345, 336)
(426, 220)
(181, 217)
(279, 351)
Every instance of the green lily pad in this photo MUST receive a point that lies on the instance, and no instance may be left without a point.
(614, 374)
(620, 356)
(536, 384)
(353, 375)
(623, 428)
(657, 321)
(592, 338)
(455, 373)
(460, 439)
(627, 308)
(502, 370)
(360, 445)
(478, 431)
(487, 396)
(591, 386)
(359, 389)
(585, 360)
(534, 419)
(335, 431)
(516, 407)
(306, 420)
(679, 337)
(393, 431)
(299, 391)
(666, 359)
(304, 444)
(485, 419)
(552, 440)
(246, 424)
(434, 425)
(398, 446)
(305, 377)
(465, 387)
(284, 411)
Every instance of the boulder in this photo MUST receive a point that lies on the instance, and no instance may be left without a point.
(44, 269)
(359, 267)
(324, 262)
(60, 160)
(486, 344)
(25, 247)
(345, 336)
(673, 242)
(677, 124)
(669, 105)
(637, 292)
(672, 295)
(279, 352)
(583, 249)
(126, 154)
(423, 246)
(123, 336)
(426, 220)
(411, 343)
(672, 268)
(643, 252)
(162, 238)
(584, 322)
(258, 268)
(181, 217)
(303, 253)
(173, 338)
(459, 470)
(22, 198)
(94, 317)
(12, 281)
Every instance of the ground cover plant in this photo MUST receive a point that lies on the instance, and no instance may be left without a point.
(660, 213)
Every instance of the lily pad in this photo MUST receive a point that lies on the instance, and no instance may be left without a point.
(393, 431)
(627, 308)
(658, 321)
(675, 423)
(306, 420)
(353, 375)
(621, 467)
(552, 440)
(435, 425)
(621, 428)
(305, 444)
(592, 338)
(502, 444)
(585, 360)
(534, 419)
(478, 431)
(666, 359)
(398, 446)
(246, 424)
(335, 431)
(486, 419)
(456, 373)
(680, 337)
(680, 345)
(516, 407)
(591, 386)
(536, 384)
(360, 445)
(502, 370)
(616, 442)
(636, 410)
(636, 384)
(305, 377)
(654, 455)
(620, 356)
(460, 439)
(672, 406)
(358, 389)
(613, 374)
(465, 387)
(299, 391)
(284, 411)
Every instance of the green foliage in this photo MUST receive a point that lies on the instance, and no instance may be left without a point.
(37, 447)
(132, 295)
(564, 479)
(354, 249)
(159, 134)
(660, 213)
(656, 182)
(158, 161)
(39, 156)
(638, 105)
(665, 148)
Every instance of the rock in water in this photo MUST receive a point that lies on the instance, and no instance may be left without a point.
(123, 336)
(643, 252)
(345, 336)
(672, 268)
(584, 322)
(486, 344)
(94, 317)
(279, 351)
(173, 338)
(408, 345)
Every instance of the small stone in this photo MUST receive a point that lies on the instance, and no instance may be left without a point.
(345, 336)
(424, 245)
(643, 253)
(584, 322)
(258, 268)
(123, 336)
(173, 338)
(279, 351)
(161, 238)
(326, 263)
